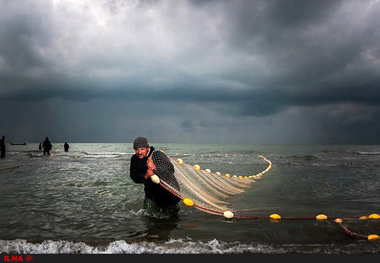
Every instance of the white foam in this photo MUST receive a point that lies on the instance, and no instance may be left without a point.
(176, 246)
(172, 246)
(21, 246)
(369, 153)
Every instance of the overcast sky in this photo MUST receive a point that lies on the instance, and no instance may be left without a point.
(222, 71)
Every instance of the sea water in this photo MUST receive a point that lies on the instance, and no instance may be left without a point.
(83, 201)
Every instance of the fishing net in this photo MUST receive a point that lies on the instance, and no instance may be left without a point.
(205, 190)
(209, 191)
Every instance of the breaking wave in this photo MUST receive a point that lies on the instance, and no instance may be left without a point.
(369, 153)
(176, 246)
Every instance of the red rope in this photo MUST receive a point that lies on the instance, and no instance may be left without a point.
(212, 211)
(349, 232)
(247, 216)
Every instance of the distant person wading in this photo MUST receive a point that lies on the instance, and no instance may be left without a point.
(47, 146)
(2, 147)
(66, 146)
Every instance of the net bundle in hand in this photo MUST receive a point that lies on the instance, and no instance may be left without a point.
(205, 190)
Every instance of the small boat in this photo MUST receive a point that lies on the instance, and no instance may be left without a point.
(13, 143)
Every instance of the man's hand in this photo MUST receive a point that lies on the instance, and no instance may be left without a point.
(149, 173)
(151, 168)
(150, 164)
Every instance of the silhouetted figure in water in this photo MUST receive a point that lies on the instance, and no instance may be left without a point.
(40, 146)
(47, 146)
(2, 147)
(66, 146)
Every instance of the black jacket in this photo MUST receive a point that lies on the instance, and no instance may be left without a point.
(47, 145)
(154, 192)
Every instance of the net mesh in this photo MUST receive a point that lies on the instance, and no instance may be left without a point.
(206, 190)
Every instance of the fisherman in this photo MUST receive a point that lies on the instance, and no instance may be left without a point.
(47, 146)
(2, 147)
(142, 167)
(66, 146)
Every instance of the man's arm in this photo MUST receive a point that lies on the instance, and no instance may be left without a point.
(136, 174)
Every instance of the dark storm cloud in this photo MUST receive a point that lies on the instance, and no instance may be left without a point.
(22, 29)
(227, 63)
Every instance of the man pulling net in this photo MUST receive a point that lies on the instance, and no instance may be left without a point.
(145, 163)
(167, 181)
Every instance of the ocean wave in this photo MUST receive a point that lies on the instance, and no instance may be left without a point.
(306, 157)
(368, 153)
(176, 246)
(103, 154)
